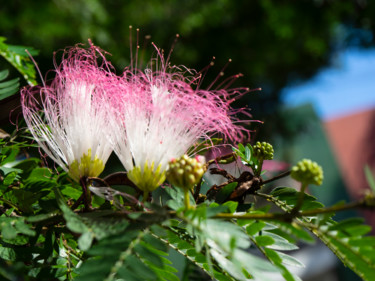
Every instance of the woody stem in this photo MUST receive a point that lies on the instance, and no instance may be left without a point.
(86, 193)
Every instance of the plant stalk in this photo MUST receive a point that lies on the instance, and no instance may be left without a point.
(187, 198)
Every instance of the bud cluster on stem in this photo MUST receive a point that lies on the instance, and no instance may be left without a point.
(185, 172)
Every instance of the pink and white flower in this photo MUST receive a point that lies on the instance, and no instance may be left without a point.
(160, 114)
(67, 117)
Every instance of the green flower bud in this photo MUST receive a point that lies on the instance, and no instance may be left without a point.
(263, 150)
(307, 172)
(185, 172)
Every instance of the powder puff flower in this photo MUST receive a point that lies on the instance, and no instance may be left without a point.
(161, 114)
(67, 118)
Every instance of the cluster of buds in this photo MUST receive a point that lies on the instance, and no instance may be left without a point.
(263, 150)
(307, 172)
(185, 172)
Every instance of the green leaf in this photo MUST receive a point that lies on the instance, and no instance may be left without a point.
(188, 250)
(255, 227)
(155, 242)
(345, 224)
(279, 243)
(10, 227)
(345, 240)
(358, 230)
(213, 209)
(263, 240)
(19, 59)
(279, 259)
(7, 254)
(293, 231)
(289, 260)
(241, 148)
(224, 193)
(203, 146)
(257, 267)
(10, 178)
(42, 217)
(247, 154)
(363, 242)
(85, 241)
(232, 206)
(24, 228)
(8, 230)
(139, 268)
(24, 199)
(131, 255)
(28, 166)
(147, 253)
(225, 242)
(92, 223)
(71, 192)
(7, 88)
(290, 195)
(177, 196)
(370, 178)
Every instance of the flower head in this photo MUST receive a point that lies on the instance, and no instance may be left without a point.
(67, 118)
(185, 172)
(263, 150)
(161, 114)
(307, 172)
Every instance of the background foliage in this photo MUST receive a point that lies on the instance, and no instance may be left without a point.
(273, 43)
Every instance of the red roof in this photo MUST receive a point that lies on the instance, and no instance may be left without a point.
(352, 139)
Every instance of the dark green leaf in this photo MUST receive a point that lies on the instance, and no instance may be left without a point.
(139, 268)
(24, 228)
(224, 193)
(155, 242)
(10, 178)
(42, 217)
(142, 249)
(7, 88)
(127, 274)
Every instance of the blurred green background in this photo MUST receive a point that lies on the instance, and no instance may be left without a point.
(273, 43)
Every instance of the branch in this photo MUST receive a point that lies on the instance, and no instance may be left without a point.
(282, 175)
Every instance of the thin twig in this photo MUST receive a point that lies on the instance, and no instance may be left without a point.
(282, 175)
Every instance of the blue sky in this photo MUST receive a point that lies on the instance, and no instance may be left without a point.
(347, 87)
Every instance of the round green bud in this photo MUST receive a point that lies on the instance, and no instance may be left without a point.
(307, 172)
(185, 172)
(263, 150)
